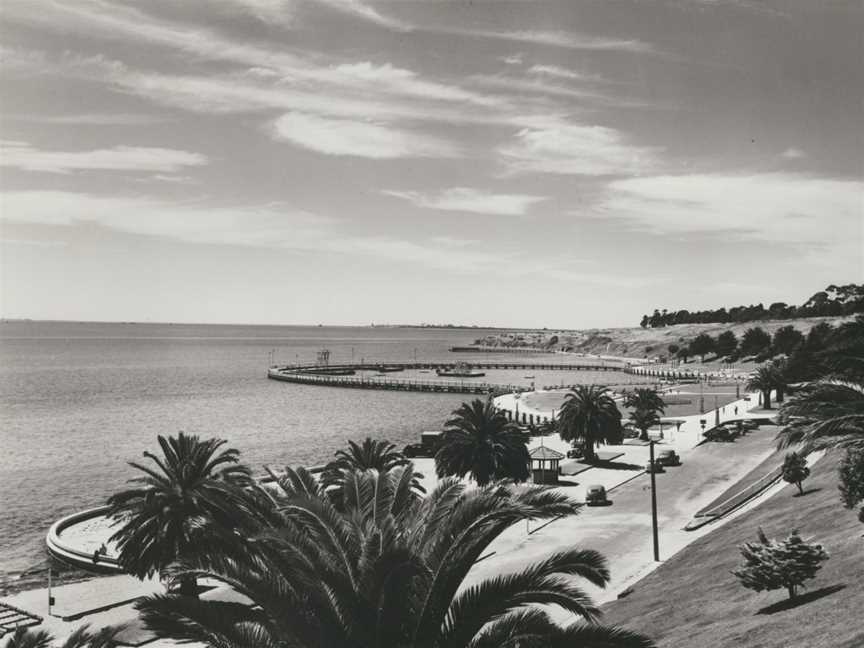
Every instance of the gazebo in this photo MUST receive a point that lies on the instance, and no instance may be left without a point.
(544, 465)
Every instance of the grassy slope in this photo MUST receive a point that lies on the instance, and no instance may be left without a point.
(632, 342)
(694, 600)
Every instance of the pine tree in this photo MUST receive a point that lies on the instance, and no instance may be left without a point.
(776, 564)
(852, 480)
(795, 470)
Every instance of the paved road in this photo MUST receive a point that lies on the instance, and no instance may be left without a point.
(622, 531)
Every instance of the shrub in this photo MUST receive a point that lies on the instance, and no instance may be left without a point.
(795, 470)
(852, 480)
(777, 564)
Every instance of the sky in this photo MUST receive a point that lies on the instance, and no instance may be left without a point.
(497, 162)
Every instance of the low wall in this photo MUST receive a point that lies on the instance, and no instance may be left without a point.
(66, 552)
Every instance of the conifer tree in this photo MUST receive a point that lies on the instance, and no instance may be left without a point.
(852, 480)
(795, 470)
(776, 564)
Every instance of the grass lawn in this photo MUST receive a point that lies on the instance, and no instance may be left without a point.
(694, 600)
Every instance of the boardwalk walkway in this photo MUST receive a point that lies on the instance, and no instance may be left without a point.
(335, 375)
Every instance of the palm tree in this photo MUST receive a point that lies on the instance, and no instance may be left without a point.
(388, 572)
(190, 501)
(589, 416)
(643, 420)
(824, 414)
(780, 370)
(81, 638)
(480, 441)
(648, 405)
(369, 455)
(763, 380)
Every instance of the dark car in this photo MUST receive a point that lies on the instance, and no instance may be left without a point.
(668, 458)
(415, 450)
(575, 453)
(655, 467)
(750, 425)
(595, 495)
(720, 434)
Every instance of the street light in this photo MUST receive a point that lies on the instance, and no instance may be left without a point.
(654, 505)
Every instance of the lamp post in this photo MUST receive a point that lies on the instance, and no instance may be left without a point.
(654, 506)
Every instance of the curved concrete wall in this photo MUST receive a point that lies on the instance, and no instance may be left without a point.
(68, 553)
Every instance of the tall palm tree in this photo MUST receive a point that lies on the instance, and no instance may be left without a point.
(780, 370)
(589, 416)
(763, 380)
(824, 414)
(643, 420)
(81, 638)
(191, 501)
(378, 455)
(480, 441)
(388, 572)
(647, 405)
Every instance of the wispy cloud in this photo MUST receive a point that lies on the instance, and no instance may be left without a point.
(277, 227)
(280, 12)
(512, 59)
(365, 12)
(793, 154)
(466, 199)
(566, 40)
(120, 158)
(558, 72)
(566, 148)
(90, 119)
(358, 138)
(287, 68)
(773, 207)
(532, 86)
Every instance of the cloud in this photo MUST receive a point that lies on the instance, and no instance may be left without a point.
(365, 12)
(275, 226)
(554, 71)
(564, 40)
(466, 199)
(512, 59)
(793, 154)
(533, 87)
(807, 211)
(285, 67)
(358, 138)
(120, 158)
(90, 119)
(566, 148)
(279, 12)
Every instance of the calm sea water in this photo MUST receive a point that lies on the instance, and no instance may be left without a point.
(79, 400)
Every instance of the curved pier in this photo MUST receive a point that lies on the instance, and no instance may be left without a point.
(342, 375)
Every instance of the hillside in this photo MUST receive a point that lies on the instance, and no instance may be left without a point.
(637, 342)
(694, 600)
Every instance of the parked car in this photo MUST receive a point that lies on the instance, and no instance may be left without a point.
(720, 434)
(668, 458)
(750, 425)
(415, 450)
(575, 453)
(630, 431)
(595, 495)
(655, 467)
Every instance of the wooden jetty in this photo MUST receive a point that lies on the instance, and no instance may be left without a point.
(339, 376)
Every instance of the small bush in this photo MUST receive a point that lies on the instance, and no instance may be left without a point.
(777, 564)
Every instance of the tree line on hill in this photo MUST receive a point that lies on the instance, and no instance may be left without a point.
(757, 343)
(833, 301)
